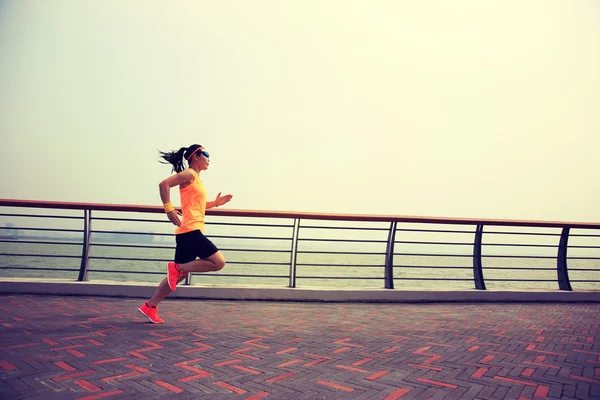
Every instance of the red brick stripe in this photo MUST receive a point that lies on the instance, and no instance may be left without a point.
(361, 362)
(336, 386)
(528, 372)
(5, 365)
(296, 361)
(223, 363)
(168, 386)
(258, 396)
(90, 387)
(343, 349)
(448, 385)
(71, 376)
(287, 350)
(110, 360)
(65, 366)
(281, 377)
(514, 381)
(397, 394)
(541, 391)
(425, 367)
(584, 379)
(351, 368)
(232, 388)
(248, 370)
(101, 395)
(377, 375)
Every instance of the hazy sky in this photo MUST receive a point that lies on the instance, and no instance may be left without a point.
(441, 108)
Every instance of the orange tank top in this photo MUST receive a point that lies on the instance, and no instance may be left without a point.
(193, 206)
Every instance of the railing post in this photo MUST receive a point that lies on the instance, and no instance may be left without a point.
(477, 264)
(561, 262)
(85, 251)
(294, 252)
(389, 257)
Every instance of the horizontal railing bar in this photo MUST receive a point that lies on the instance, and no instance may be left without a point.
(125, 233)
(208, 236)
(257, 250)
(119, 271)
(341, 265)
(338, 252)
(432, 255)
(247, 237)
(40, 268)
(584, 269)
(583, 258)
(218, 223)
(142, 246)
(135, 246)
(38, 255)
(349, 228)
(204, 274)
(583, 247)
(519, 280)
(340, 277)
(246, 276)
(520, 245)
(433, 230)
(586, 280)
(42, 229)
(522, 233)
(40, 242)
(342, 240)
(431, 267)
(43, 216)
(504, 256)
(250, 276)
(169, 260)
(434, 279)
(532, 269)
(300, 215)
(583, 235)
(160, 221)
(444, 243)
(130, 259)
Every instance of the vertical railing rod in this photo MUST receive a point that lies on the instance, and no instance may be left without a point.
(389, 257)
(294, 252)
(477, 264)
(85, 251)
(561, 261)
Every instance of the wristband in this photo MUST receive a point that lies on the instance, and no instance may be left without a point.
(168, 207)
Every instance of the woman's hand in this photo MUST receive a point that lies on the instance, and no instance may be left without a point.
(220, 200)
(174, 217)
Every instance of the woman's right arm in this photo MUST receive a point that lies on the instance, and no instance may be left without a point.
(164, 188)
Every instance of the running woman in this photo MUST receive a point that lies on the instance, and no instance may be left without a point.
(189, 234)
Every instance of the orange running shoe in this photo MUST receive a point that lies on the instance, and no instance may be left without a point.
(173, 275)
(151, 313)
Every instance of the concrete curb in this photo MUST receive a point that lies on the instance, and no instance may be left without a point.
(145, 290)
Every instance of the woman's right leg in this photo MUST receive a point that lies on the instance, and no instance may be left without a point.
(215, 262)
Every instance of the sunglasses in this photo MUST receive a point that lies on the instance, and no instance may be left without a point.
(197, 151)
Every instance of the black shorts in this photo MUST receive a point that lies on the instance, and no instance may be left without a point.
(191, 245)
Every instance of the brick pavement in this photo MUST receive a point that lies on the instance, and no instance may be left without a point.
(102, 348)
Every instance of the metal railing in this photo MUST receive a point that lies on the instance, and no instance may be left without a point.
(268, 247)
